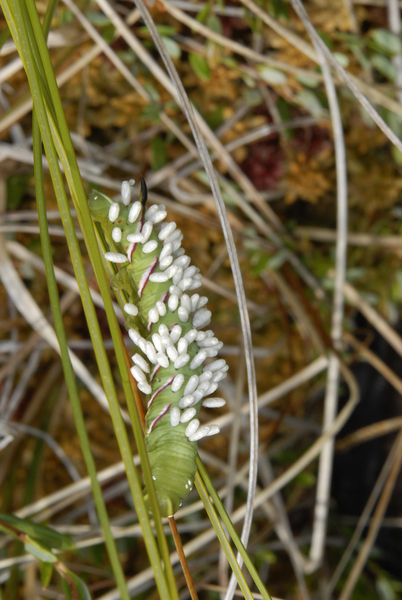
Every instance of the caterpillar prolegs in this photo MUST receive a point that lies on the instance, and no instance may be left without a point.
(164, 320)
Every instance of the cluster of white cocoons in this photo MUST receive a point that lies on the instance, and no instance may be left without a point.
(170, 346)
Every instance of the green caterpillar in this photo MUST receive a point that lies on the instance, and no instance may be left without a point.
(164, 322)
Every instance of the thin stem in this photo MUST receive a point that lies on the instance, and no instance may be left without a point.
(182, 558)
(203, 476)
(221, 534)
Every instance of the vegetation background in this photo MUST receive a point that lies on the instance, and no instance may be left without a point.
(311, 180)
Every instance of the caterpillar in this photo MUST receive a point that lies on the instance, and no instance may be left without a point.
(164, 321)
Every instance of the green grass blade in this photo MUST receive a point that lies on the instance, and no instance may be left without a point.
(138, 434)
(4, 36)
(232, 531)
(224, 542)
(67, 367)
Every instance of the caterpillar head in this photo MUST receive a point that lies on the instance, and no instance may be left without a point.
(99, 205)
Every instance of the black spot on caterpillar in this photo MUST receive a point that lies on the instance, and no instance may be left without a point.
(164, 320)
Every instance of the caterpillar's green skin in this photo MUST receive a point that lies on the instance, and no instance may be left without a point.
(171, 453)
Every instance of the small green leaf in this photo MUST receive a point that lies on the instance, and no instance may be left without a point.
(199, 66)
(252, 97)
(39, 551)
(310, 102)
(278, 259)
(396, 155)
(370, 297)
(46, 571)
(97, 18)
(248, 80)
(66, 589)
(127, 56)
(151, 112)
(396, 290)
(355, 273)
(108, 33)
(9, 531)
(172, 47)
(229, 61)
(159, 158)
(152, 91)
(385, 589)
(311, 82)
(67, 17)
(258, 261)
(164, 30)
(394, 121)
(305, 479)
(342, 59)
(202, 176)
(215, 118)
(350, 39)
(39, 532)
(272, 76)
(228, 198)
(326, 39)
(204, 12)
(279, 10)
(284, 108)
(74, 587)
(387, 41)
(362, 58)
(214, 23)
(384, 66)
(266, 556)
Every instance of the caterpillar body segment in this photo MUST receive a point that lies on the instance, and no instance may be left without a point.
(165, 321)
